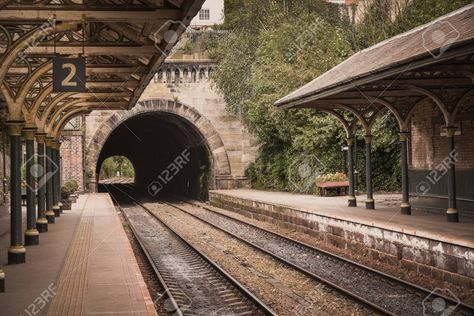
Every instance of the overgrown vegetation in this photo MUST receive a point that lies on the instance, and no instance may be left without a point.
(277, 46)
(116, 167)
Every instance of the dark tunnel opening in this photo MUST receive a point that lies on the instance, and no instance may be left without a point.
(169, 154)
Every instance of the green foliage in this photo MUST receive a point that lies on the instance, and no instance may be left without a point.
(277, 46)
(69, 188)
(116, 166)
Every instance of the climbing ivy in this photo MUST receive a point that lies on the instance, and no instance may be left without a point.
(277, 46)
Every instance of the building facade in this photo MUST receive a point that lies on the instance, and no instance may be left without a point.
(211, 13)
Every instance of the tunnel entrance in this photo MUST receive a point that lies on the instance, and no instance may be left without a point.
(117, 169)
(169, 154)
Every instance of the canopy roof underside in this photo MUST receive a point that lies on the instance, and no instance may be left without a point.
(124, 42)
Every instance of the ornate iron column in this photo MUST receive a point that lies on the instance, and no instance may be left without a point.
(31, 234)
(48, 180)
(41, 222)
(369, 202)
(405, 206)
(56, 178)
(2, 280)
(16, 252)
(350, 162)
(452, 212)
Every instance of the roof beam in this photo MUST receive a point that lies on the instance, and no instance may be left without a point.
(130, 33)
(113, 84)
(78, 14)
(84, 95)
(4, 3)
(92, 69)
(94, 50)
(463, 81)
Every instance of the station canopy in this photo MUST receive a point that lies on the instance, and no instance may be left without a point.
(433, 61)
(124, 43)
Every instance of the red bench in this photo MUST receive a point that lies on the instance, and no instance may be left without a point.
(339, 185)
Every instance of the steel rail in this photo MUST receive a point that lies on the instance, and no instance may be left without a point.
(244, 291)
(411, 286)
(148, 256)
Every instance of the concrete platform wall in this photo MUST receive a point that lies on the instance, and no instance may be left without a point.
(440, 260)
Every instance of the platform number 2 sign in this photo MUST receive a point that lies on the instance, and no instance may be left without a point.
(69, 74)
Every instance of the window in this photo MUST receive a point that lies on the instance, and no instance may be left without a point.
(204, 14)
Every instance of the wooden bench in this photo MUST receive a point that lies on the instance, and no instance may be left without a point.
(339, 185)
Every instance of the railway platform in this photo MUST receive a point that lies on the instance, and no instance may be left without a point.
(84, 265)
(422, 242)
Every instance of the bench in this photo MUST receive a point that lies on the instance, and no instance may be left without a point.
(339, 185)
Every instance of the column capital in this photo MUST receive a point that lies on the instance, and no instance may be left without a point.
(41, 138)
(15, 127)
(29, 133)
(450, 130)
(49, 141)
(368, 138)
(404, 136)
(350, 141)
(56, 144)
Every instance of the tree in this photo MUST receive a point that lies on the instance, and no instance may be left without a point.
(276, 47)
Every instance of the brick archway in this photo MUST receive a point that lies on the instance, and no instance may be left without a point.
(220, 164)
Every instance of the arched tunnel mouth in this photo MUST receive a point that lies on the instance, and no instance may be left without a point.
(169, 155)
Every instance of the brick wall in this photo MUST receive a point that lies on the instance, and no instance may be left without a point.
(428, 182)
(72, 157)
(429, 148)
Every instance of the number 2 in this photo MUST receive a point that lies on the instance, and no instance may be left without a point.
(72, 72)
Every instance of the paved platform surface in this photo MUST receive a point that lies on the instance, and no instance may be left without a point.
(386, 215)
(84, 265)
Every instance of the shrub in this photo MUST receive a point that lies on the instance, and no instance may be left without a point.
(65, 192)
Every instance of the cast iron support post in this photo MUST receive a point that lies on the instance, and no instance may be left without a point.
(55, 169)
(350, 162)
(369, 202)
(31, 234)
(354, 159)
(48, 180)
(41, 222)
(16, 252)
(2, 280)
(405, 206)
(59, 175)
(452, 212)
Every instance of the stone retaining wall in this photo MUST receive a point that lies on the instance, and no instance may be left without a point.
(439, 260)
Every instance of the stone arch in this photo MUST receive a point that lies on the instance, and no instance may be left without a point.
(218, 157)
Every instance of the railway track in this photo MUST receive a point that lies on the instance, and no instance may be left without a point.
(382, 292)
(194, 284)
